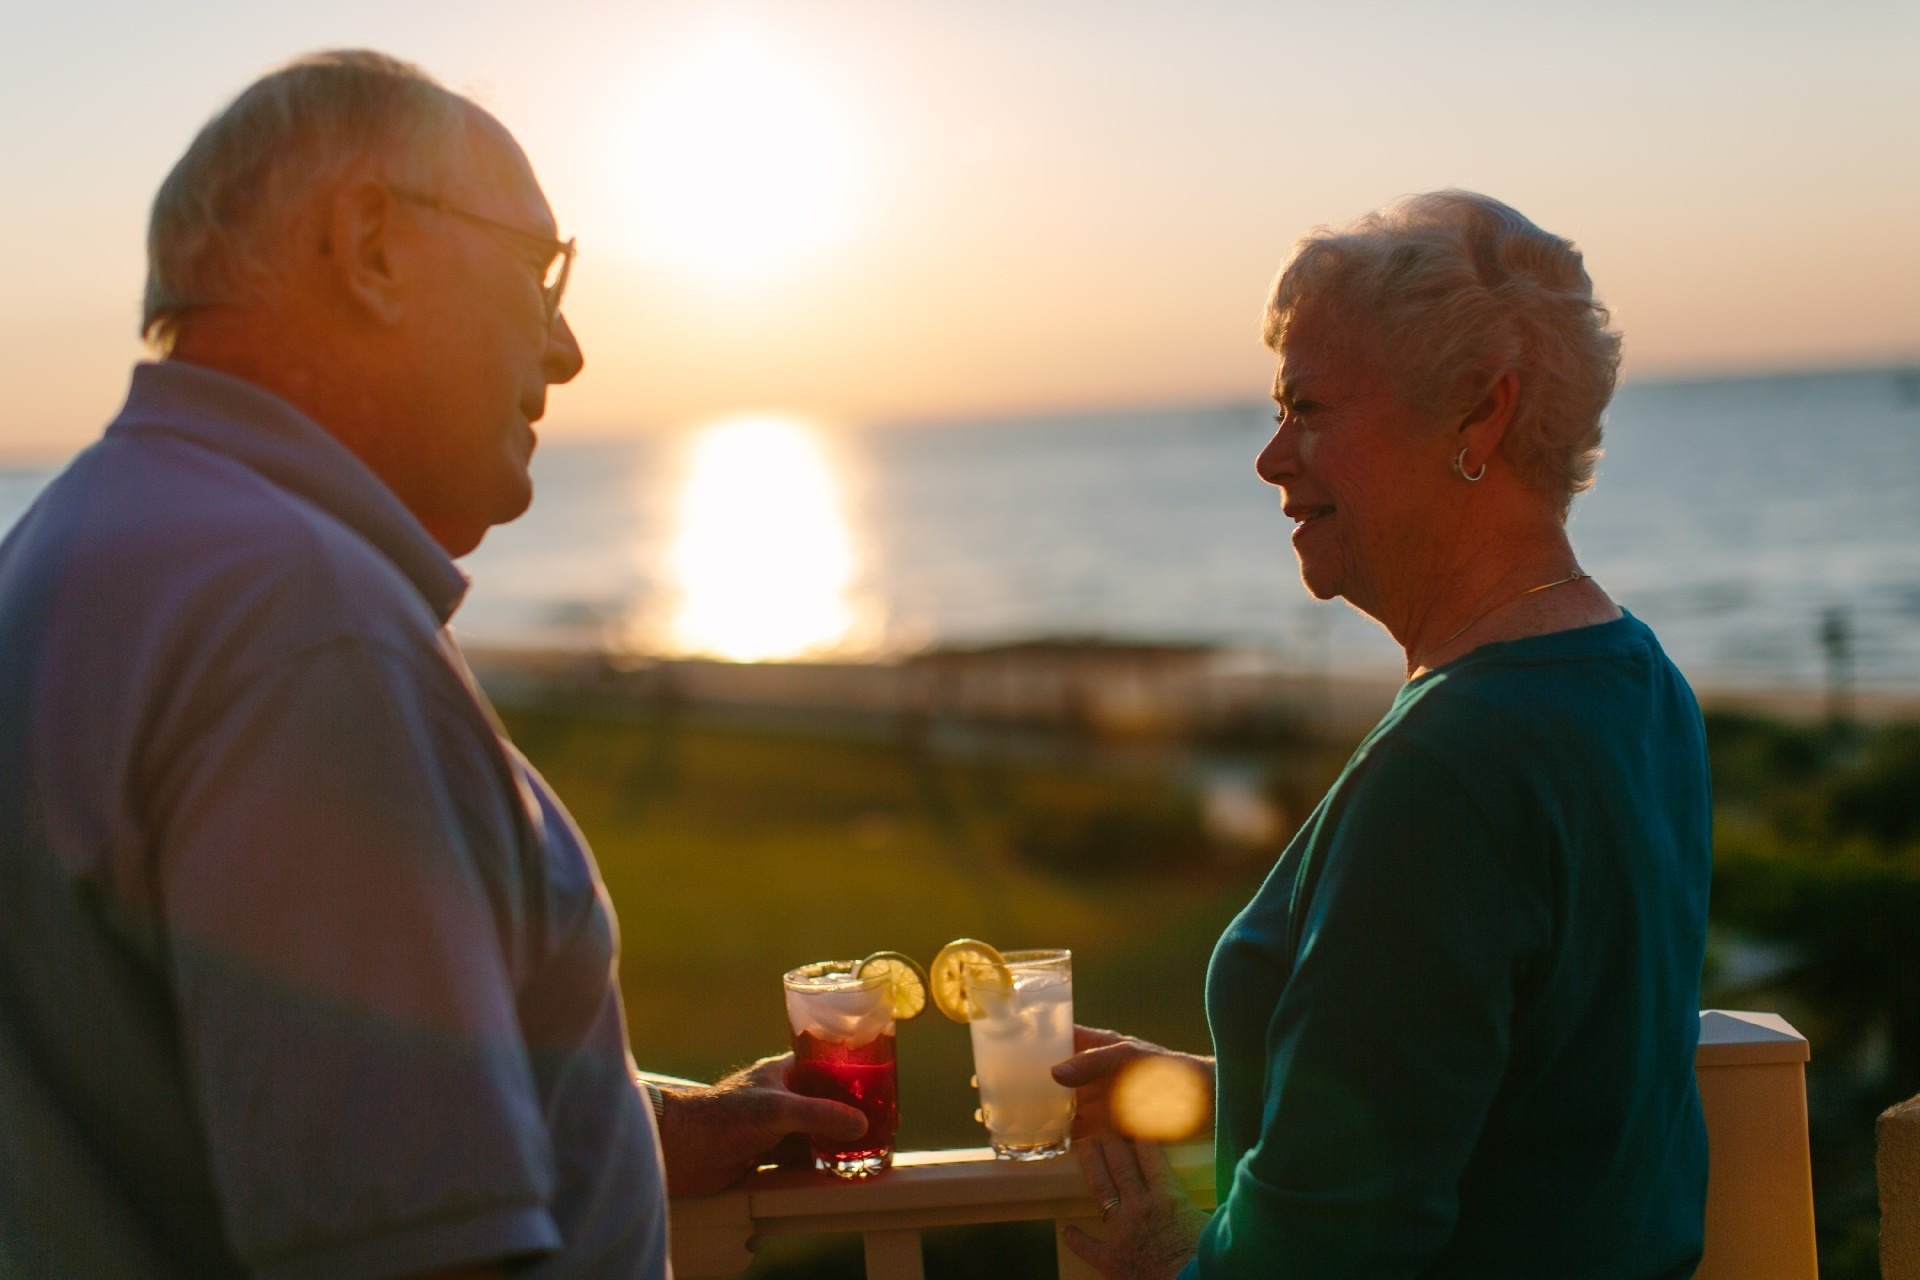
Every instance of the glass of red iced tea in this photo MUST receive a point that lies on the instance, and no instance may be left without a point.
(843, 1040)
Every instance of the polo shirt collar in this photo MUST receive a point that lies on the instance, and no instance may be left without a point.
(290, 450)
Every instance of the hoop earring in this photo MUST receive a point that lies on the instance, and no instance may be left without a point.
(1461, 471)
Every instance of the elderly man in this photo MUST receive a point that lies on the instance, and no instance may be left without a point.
(303, 970)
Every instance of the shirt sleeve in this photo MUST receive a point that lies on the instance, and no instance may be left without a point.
(337, 889)
(1389, 1042)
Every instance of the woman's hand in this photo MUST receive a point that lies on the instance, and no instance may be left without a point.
(1152, 1227)
(1100, 1058)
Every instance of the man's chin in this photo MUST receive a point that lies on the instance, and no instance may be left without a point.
(511, 496)
(517, 506)
(460, 534)
(459, 537)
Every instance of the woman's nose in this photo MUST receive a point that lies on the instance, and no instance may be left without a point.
(1274, 463)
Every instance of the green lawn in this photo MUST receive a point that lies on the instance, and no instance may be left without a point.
(733, 853)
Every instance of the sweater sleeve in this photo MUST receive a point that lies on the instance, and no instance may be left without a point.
(1388, 1045)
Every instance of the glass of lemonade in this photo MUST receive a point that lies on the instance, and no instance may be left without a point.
(843, 1049)
(1019, 1033)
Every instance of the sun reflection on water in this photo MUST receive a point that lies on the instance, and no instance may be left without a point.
(762, 554)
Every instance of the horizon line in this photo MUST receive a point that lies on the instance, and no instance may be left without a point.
(1899, 367)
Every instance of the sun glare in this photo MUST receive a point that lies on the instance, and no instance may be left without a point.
(737, 158)
(762, 553)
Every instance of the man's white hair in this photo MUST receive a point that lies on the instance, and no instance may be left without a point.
(226, 214)
(1458, 288)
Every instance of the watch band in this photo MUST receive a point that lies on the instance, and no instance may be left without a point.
(658, 1100)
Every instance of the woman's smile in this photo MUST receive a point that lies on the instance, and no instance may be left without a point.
(1305, 517)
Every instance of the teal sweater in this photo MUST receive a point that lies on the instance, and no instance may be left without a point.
(1455, 1027)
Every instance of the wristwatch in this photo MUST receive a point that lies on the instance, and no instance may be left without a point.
(658, 1100)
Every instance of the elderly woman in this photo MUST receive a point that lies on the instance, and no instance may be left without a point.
(1454, 1029)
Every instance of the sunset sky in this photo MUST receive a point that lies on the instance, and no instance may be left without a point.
(863, 211)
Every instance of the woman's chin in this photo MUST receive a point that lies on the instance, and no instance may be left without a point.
(1320, 584)
(1319, 573)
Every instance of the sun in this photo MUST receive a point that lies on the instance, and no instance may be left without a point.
(736, 157)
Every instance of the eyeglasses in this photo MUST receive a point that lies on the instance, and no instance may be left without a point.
(559, 254)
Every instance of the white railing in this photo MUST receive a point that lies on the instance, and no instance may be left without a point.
(1751, 1069)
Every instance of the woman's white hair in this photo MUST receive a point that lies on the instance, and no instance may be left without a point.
(1458, 288)
(226, 214)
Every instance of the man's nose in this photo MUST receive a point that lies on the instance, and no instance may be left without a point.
(562, 361)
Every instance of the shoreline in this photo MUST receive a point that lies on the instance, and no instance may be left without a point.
(1110, 688)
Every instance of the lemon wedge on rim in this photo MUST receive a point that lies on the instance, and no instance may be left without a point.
(906, 981)
(948, 975)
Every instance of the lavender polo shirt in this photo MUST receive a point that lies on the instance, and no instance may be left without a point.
(303, 970)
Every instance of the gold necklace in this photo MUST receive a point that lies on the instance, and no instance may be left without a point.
(1576, 576)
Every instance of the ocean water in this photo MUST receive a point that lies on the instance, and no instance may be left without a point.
(1734, 516)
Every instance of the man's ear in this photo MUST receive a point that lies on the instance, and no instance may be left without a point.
(368, 266)
(1485, 423)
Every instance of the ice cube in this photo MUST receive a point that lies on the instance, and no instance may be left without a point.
(875, 1023)
(1036, 983)
(851, 1015)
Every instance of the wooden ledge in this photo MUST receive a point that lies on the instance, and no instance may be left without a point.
(715, 1235)
(920, 1183)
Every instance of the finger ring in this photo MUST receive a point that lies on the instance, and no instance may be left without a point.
(1108, 1206)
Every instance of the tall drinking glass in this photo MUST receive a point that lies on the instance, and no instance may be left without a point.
(1020, 1030)
(843, 1049)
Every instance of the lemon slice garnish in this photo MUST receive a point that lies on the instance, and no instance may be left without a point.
(906, 981)
(948, 977)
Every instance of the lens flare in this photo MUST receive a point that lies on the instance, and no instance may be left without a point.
(1161, 1099)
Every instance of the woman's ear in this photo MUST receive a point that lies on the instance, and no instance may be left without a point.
(1485, 423)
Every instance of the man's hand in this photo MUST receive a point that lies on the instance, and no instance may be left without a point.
(1099, 1058)
(713, 1135)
